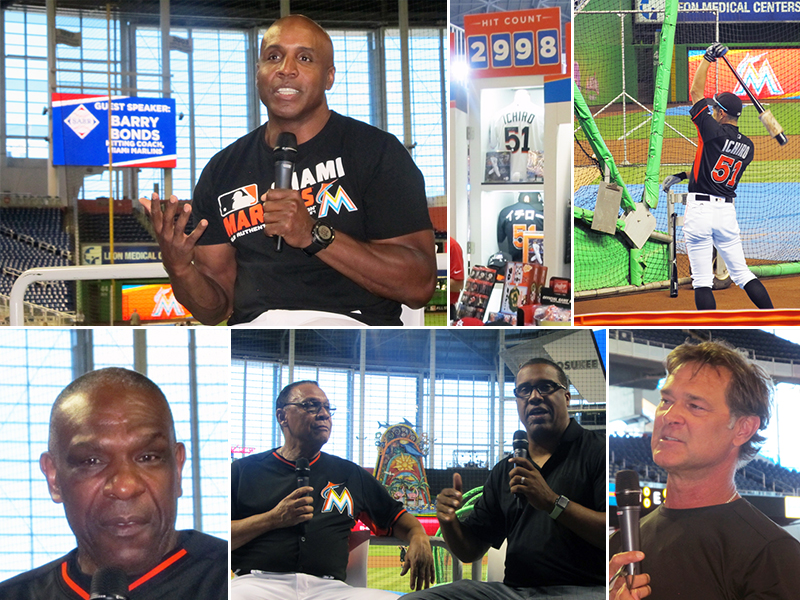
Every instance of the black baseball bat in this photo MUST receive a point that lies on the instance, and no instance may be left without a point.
(673, 272)
(773, 127)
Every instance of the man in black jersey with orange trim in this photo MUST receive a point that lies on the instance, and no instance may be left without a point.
(113, 462)
(293, 540)
(723, 154)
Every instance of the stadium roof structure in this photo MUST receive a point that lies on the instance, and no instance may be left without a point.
(244, 14)
(636, 355)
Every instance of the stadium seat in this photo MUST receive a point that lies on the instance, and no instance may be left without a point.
(412, 317)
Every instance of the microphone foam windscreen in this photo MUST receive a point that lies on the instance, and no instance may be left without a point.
(628, 491)
(301, 464)
(109, 582)
(286, 147)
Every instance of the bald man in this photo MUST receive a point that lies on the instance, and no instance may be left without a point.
(114, 463)
(357, 239)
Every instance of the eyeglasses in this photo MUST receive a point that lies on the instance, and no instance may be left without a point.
(312, 407)
(543, 388)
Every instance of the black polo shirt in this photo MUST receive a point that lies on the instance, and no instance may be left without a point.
(541, 551)
(343, 493)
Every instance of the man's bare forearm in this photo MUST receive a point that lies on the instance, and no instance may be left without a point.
(204, 298)
(245, 530)
(407, 527)
(586, 523)
(462, 543)
(404, 273)
(697, 91)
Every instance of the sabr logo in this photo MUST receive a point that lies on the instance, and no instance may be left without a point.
(81, 121)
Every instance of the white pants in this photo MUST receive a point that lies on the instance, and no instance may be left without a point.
(299, 586)
(709, 224)
(302, 318)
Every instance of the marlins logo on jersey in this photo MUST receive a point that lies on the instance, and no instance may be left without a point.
(342, 501)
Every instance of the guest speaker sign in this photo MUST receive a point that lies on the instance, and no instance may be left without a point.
(142, 131)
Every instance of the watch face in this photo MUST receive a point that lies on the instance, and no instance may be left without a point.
(324, 232)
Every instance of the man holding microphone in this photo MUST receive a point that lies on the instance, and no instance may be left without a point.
(556, 532)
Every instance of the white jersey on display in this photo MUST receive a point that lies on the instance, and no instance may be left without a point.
(518, 129)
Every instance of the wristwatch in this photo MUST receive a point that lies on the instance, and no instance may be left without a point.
(561, 504)
(322, 235)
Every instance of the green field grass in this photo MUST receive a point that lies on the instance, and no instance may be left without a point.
(757, 172)
(384, 570)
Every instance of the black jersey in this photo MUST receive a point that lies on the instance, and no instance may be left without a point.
(515, 220)
(343, 493)
(357, 177)
(196, 570)
(723, 154)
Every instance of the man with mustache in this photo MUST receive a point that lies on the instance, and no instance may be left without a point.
(292, 542)
(550, 507)
(357, 238)
(114, 464)
(705, 540)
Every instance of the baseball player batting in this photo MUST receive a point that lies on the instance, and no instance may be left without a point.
(710, 220)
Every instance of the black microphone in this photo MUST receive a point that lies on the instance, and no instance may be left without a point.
(109, 583)
(629, 502)
(285, 155)
(520, 446)
(303, 472)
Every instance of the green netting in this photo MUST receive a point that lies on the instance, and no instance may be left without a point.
(650, 264)
(616, 55)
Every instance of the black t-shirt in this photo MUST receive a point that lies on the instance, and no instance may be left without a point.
(196, 570)
(541, 551)
(343, 494)
(513, 221)
(359, 178)
(724, 552)
(722, 154)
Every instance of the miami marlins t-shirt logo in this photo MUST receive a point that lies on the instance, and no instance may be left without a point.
(241, 211)
(342, 501)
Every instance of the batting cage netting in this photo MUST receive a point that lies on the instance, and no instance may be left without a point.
(616, 59)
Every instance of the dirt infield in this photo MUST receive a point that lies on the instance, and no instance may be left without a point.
(784, 291)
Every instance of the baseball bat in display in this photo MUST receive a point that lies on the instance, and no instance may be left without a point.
(770, 122)
(673, 271)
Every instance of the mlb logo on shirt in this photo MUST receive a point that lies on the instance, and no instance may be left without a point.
(242, 197)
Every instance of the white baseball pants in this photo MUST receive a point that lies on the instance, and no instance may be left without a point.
(708, 224)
